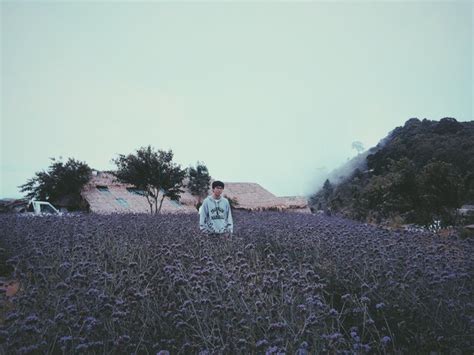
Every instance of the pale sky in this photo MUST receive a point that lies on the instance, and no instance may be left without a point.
(267, 92)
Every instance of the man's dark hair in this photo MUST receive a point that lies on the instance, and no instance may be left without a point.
(217, 183)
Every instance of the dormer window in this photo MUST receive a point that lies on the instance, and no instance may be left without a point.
(136, 191)
(122, 202)
(103, 189)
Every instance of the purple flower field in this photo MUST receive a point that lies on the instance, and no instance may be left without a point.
(285, 283)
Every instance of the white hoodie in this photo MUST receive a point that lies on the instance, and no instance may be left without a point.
(215, 216)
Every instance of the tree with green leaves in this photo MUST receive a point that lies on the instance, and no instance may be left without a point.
(60, 181)
(199, 181)
(358, 146)
(320, 200)
(153, 172)
(327, 190)
(440, 187)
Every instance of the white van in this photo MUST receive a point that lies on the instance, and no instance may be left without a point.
(42, 208)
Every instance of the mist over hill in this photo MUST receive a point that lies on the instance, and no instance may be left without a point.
(421, 172)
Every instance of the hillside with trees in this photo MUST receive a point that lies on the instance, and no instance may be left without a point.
(420, 173)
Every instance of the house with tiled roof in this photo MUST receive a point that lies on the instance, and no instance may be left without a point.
(104, 194)
(252, 196)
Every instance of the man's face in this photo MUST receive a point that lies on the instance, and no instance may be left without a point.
(217, 191)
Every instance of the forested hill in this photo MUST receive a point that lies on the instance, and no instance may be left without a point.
(419, 173)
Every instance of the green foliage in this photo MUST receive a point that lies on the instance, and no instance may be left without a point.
(327, 189)
(59, 181)
(394, 192)
(153, 172)
(468, 186)
(421, 172)
(440, 190)
(199, 181)
(358, 146)
(320, 201)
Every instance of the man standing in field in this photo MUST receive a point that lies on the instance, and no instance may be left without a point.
(215, 216)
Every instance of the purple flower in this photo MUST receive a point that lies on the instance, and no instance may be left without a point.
(261, 342)
(333, 313)
(65, 339)
(271, 350)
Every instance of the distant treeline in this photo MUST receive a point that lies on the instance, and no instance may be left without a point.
(421, 172)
